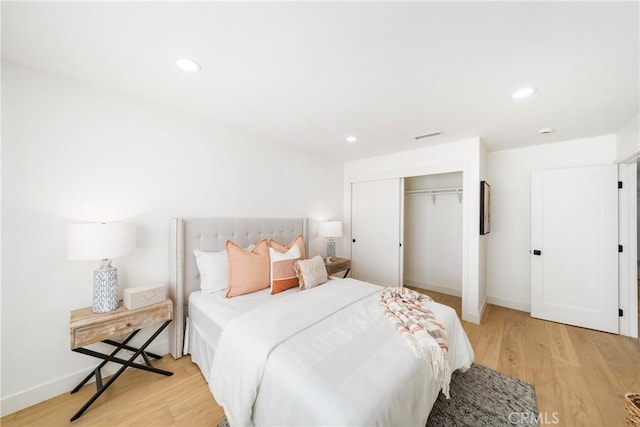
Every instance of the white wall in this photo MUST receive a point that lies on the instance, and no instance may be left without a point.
(433, 234)
(73, 153)
(509, 173)
(628, 140)
(457, 156)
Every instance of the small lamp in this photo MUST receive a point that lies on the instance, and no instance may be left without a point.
(101, 241)
(330, 229)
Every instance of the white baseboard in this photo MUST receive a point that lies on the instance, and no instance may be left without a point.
(475, 318)
(470, 317)
(483, 307)
(516, 305)
(435, 288)
(40, 393)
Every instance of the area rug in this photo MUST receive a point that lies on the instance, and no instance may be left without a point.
(482, 397)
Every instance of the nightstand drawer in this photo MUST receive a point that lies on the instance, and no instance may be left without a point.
(339, 264)
(88, 327)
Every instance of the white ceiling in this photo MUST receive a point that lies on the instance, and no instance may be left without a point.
(309, 74)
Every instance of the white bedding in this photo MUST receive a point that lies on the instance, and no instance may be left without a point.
(210, 312)
(326, 356)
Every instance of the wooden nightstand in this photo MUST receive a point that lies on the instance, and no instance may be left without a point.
(338, 264)
(87, 327)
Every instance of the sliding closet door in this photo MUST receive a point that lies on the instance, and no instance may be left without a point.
(376, 208)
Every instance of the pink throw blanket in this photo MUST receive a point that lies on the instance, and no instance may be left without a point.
(418, 325)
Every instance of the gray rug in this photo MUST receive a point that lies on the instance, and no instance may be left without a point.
(482, 397)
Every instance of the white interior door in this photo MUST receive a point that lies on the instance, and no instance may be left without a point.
(375, 231)
(574, 253)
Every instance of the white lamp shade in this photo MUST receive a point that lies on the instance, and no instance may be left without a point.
(330, 229)
(93, 241)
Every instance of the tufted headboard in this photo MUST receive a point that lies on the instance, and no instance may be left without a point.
(211, 234)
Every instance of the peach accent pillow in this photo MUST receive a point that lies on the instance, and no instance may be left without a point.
(248, 270)
(297, 241)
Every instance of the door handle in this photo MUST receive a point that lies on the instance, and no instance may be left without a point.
(354, 240)
(537, 252)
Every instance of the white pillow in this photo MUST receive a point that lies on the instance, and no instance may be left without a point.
(214, 270)
(292, 252)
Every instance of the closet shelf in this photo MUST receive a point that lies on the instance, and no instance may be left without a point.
(433, 192)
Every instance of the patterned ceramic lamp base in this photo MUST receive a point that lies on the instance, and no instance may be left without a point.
(105, 288)
(331, 248)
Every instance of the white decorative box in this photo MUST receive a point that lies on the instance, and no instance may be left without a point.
(142, 296)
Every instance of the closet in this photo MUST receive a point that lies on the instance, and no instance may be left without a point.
(409, 231)
(433, 232)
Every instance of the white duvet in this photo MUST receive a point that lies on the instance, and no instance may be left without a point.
(327, 356)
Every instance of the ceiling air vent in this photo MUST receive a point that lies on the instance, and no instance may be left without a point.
(429, 135)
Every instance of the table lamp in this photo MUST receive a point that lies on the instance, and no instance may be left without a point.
(101, 241)
(330, 229)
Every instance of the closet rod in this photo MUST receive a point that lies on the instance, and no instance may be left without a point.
(442, 190)
(433, 192)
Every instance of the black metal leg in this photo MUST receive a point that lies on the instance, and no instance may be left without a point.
(346, 273)
(98, 378)
(146, 358)
(125, 364)
(98, 394)
(128, 363)
(126, 347)
(119, 346)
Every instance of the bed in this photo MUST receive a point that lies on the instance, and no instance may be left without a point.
(324, 356)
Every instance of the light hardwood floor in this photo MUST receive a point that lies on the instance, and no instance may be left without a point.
(579, 374)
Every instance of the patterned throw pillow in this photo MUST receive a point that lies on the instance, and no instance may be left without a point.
(311, 272)
(282, 275)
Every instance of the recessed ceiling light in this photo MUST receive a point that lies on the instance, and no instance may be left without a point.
(188, 65)
(522, 92)
(351, 139)
(544, 131)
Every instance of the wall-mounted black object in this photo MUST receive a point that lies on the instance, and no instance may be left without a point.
(485, 208)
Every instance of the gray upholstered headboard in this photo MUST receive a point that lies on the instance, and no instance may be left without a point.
(211, 234)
